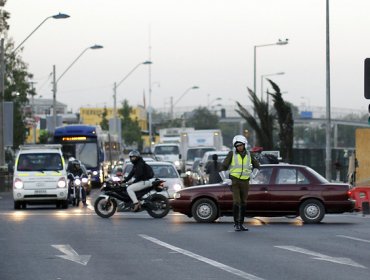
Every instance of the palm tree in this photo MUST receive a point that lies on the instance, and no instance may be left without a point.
(286, 123)
(262, 124)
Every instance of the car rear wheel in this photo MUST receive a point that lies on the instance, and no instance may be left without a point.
(204, 211)
(312, 211)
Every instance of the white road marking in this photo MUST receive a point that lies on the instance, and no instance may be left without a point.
(318, 256)
(354, 238)
(71, 255)
(219, 265)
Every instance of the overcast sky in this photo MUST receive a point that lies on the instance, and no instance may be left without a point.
(204, 43)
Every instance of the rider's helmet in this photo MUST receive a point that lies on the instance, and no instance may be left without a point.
(134, 156)
(239, 139)
(76, 164)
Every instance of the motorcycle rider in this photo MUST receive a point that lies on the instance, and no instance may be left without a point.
(74, 168)
(141, 172)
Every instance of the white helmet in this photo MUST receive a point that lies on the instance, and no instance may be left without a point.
(241, 139)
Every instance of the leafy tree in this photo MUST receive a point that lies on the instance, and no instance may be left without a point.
(131, 132)
(104, 122)
(16, 82)
(202, 118)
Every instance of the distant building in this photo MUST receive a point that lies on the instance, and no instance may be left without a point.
(94, 115)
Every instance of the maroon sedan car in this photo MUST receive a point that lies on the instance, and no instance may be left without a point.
(276, 190)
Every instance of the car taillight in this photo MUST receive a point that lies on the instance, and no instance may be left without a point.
(18, 184)
(349, 193)
(62, 182)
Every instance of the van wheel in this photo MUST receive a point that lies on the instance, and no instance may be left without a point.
(17, 205)
(65, 204)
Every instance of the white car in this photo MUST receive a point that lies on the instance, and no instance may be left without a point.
(165, 171)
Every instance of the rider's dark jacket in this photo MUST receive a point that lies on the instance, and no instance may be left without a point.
(139, 171)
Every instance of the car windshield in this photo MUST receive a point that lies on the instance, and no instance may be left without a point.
(40, 162)
(166, 150)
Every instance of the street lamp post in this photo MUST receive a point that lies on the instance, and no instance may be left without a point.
(328, 113)
(55, 81)
(2, 83)
(262, 80)
(173, 104)
(115, 86)
(278, 43)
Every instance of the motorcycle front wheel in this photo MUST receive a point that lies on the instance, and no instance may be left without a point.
(105, 208)
(158, 206)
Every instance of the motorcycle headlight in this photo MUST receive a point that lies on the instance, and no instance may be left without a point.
(84, 180)
(177, 163)
(77, 182)
(95, 173)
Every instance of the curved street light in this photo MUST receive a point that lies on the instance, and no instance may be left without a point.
(262, 80)
(55, 81)
(57, 16)
(278, 43)
(115, 86)
(2, 83)
(182, 95)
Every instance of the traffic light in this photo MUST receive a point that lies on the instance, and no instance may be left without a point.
(367, 78)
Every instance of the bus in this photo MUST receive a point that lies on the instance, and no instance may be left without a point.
(112, 148)
(84, 143)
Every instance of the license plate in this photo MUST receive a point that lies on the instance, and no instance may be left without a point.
(40, 185)
(40, 191)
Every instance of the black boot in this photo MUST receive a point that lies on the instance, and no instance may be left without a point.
(241, 218)
(237, 227)
(236, 212)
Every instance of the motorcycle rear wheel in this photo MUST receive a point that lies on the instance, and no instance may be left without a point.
(159, 206)
(105, 208)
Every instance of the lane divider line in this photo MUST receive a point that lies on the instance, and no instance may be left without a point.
(216, 264)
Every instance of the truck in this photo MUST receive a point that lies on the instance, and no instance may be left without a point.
(168, 148)
(195, 143)
(172, 134)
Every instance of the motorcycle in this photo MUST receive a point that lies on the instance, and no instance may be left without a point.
(75, 188)
(115, 196)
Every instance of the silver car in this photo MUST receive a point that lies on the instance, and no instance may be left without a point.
(165, 171)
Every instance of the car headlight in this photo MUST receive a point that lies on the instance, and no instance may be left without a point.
(176, 187)
(176, 195)
(95, 173)
(84, 180)
(18, 184)
(62, 183)
(177, 163)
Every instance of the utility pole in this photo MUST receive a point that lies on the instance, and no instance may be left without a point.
(2, 92)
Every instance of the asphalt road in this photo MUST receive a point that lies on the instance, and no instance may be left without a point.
(45, 243)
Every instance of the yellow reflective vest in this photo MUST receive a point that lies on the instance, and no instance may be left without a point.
(241, 168)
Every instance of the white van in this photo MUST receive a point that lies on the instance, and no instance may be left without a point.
(40, 176)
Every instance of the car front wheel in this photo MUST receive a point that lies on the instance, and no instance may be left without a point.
(204, 211)
(312, 211)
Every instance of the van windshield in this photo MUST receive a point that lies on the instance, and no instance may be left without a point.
(40, 162)
(166, 150)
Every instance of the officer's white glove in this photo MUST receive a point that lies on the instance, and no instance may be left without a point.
(227, 182)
